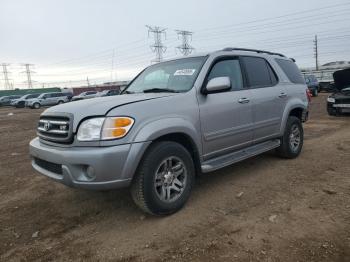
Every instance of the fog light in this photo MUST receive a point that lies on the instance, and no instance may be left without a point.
(90, 173)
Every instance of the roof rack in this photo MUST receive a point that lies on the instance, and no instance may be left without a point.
(251, 50)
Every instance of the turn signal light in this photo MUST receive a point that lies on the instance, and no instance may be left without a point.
(116, 127)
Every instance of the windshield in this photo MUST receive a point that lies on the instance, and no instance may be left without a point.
(41, 96)
(173, 76)
(24, 97)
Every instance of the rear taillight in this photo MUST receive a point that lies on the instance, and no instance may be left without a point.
(308, 94)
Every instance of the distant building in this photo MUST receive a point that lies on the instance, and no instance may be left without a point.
(117, 85)
(325, 72)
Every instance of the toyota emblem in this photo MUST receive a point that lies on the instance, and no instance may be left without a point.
(47, 126)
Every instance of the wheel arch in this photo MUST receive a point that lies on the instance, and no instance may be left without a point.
(296, 109)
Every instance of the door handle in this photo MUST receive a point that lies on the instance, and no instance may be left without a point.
(282, 95)
(243, 100)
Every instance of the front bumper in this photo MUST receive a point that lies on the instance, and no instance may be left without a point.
(96, 168)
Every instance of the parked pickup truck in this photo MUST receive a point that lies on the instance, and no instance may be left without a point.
(175, 120)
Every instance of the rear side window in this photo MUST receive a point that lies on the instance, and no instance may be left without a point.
(230, 68)
(291, 70)
(259, 72)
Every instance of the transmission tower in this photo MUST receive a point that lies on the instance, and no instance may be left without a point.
(316, 51)
(186, 36)
(5, 72)
(29, 75)
(158, 46)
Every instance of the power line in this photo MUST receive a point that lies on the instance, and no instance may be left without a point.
(5, 72)
(185, 48)
(158, 47)
(29, 76)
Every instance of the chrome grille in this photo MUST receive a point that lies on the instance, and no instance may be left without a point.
(55, 128)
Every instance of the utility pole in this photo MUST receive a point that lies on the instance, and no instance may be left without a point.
(185, 48)
(8, 85)
(158, 46)
(316, 51)
(112, 70)
(29, 76)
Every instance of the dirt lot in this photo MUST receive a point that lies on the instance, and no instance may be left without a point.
(263, 209)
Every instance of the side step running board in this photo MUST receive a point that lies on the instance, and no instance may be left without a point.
(229, 159)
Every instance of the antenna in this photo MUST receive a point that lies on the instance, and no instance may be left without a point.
(185, 48)
(158, 46)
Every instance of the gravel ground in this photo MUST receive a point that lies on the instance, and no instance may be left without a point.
(262, 209)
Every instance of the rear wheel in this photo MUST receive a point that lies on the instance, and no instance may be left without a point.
(36, 105)
(164, 179)
(292, 139)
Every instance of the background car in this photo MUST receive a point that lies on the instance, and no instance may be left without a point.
(339, 102)
(108, 93)
(20, 102)
(6, 100)
(85, 95)
(47, 99)
(312, 84)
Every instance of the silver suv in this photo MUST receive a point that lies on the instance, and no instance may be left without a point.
(48, 99)
(175, 120)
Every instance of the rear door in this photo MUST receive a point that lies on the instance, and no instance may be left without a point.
(51, 99)
(226, 117)
(268, 98)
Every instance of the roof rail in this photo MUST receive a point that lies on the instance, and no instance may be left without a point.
(251, 50)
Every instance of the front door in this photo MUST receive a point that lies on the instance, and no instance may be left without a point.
(226, 117)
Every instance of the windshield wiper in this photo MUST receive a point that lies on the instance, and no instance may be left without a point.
(127, 92)
(159, 90)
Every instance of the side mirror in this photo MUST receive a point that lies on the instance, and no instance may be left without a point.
(218, 84)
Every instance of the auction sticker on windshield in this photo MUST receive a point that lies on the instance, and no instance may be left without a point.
(184, 72)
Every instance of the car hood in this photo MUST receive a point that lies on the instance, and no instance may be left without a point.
(99, 106)
(341, 95)
(342, 79)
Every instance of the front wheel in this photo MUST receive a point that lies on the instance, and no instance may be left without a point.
(164, 179)
(36, 106)
(315, 92)
(292, 139)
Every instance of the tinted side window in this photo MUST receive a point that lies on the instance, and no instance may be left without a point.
(258, 72)
(230, 68)
(32, 96)
(273, 77)
(291, 70)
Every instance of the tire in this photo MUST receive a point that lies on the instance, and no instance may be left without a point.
(332, 112)
(315, 92)
(60, 102)
(151, 178)
(36, 106)
(293, 131)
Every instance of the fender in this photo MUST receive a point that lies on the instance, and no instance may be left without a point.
(291, 104)
(164, 126)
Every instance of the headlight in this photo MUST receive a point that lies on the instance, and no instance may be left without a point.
(331, 100)
(104, 128)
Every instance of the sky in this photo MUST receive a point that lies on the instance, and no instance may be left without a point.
(68, 41)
